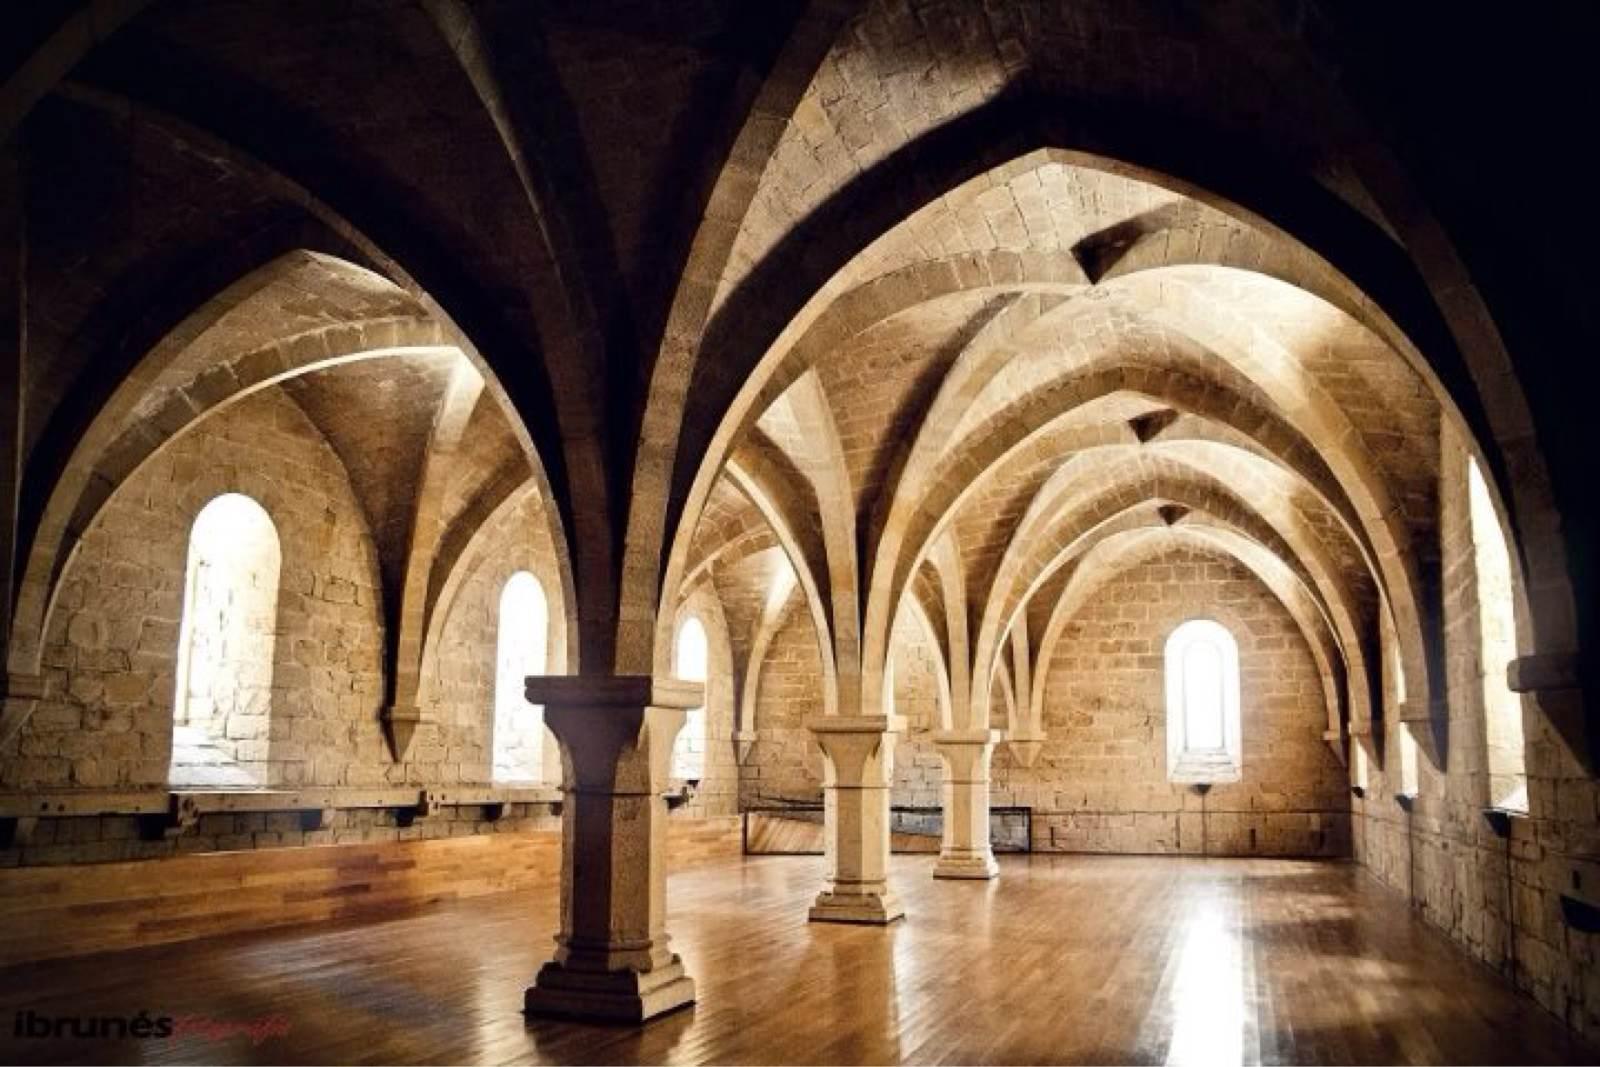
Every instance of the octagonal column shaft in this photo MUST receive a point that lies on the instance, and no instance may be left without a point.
(965, 851)
(612, 960)
(860, 764)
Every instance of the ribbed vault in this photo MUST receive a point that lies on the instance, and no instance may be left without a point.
(1050, 374)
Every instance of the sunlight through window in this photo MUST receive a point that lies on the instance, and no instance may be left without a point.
(1502, 709)
(1203, 743)
(519, 726)
(226, 643)
(689, 750)
(1207, 993)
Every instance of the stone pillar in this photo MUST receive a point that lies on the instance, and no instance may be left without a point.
(612, 962)
(965, 851)
(860, 764)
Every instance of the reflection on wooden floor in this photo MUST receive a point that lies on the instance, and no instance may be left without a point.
(1064, 959)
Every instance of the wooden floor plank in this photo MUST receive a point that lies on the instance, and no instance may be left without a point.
(1065, 959)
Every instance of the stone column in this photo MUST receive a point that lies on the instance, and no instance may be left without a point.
(860, 764)
(965, 851)
(612, 962)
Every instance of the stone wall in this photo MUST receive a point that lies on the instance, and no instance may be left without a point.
(717, 793)
(1443, 855)
(459, 694)
(226, 646)
(1100, 782)
(111, 660)
(308, 714)
(785, 762)
(111, 651)
(918, 768)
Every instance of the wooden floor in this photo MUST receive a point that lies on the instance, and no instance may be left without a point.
(1064, 959)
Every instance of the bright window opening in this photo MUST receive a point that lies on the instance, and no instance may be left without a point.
(1410, 779)
(1203, 741)
(226, 642)
(1502, 709)
(691, 664)
(1391, 656)
(520, 651)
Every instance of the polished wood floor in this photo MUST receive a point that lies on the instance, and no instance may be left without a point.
(1064, 959)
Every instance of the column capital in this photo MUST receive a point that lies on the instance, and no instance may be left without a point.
(15, 686)
(859, 748)
(19, 695)
(1543, 671)
(965, 737)
(612, 691)
(400, 722)
(857, 724)
(1024, 746)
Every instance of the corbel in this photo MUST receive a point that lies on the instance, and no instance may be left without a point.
(399, 727)
(19, 696)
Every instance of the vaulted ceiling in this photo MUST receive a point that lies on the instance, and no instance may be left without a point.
(975, 297)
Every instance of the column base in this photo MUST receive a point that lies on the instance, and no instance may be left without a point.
(875, 909)
(967, 865)
(611, 997)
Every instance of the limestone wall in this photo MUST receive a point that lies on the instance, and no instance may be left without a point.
(111, 657)
(460, 681)
(785, 762)
(918, 768)
(1444, 856)
(111, 651)
(1100, 782)
(717, 793)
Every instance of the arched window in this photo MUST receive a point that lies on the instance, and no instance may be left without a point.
(690, 664)
(523, 629)
(226, 644)
(1502, 709)
(1203, 743)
